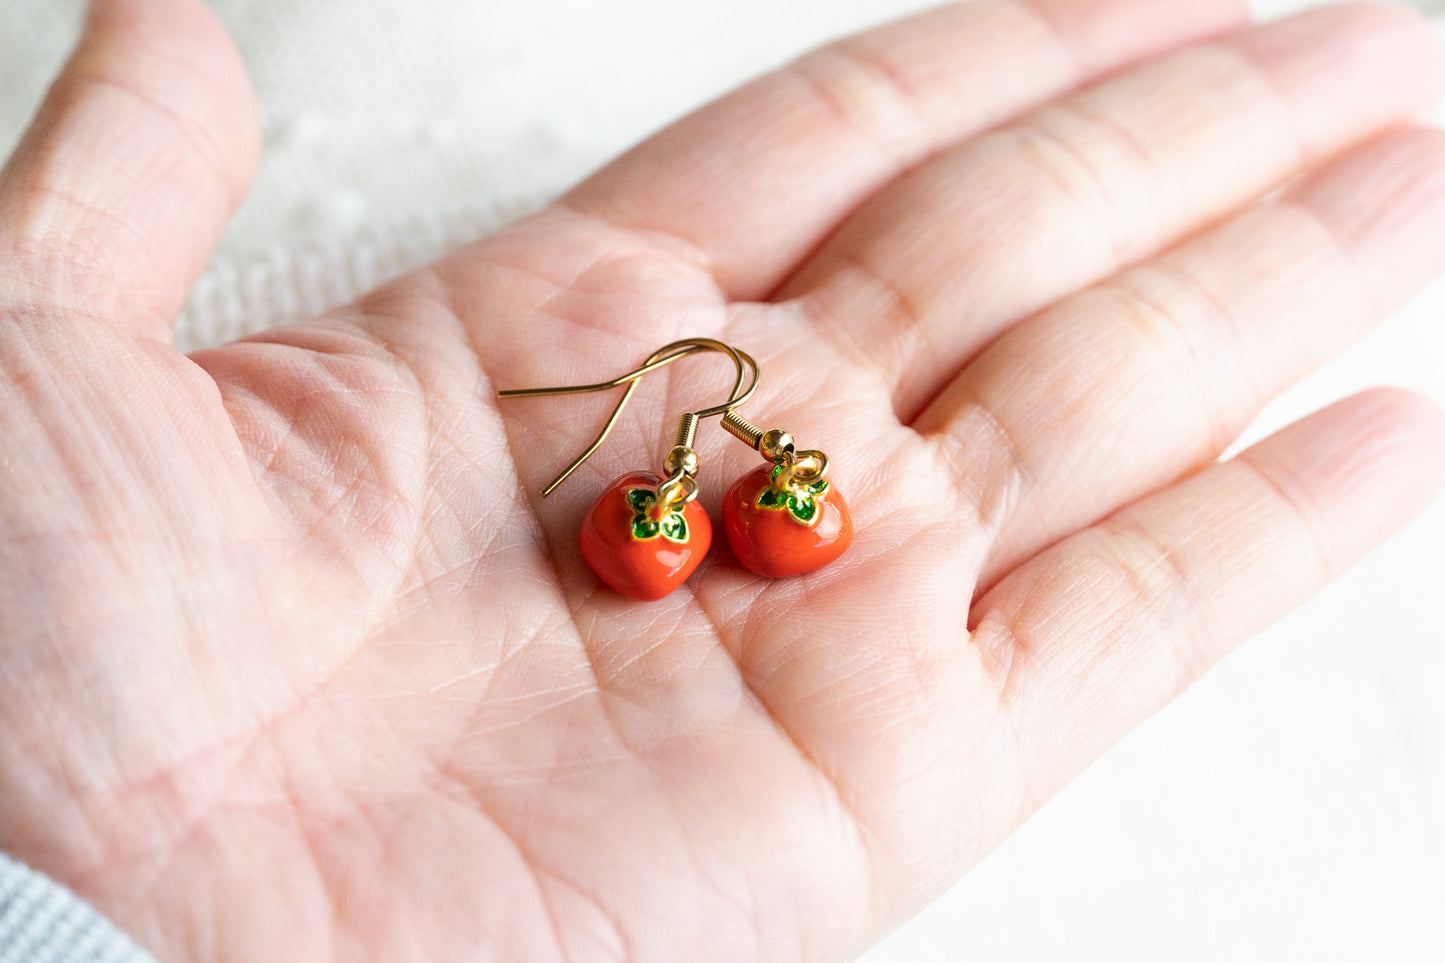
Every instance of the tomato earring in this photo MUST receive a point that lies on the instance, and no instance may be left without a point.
(784, 517)
(646, 533)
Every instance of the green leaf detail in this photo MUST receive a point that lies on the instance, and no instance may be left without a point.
(674, 527)
(772, 498)
(803, 508)
(671, 526)
(801, 501)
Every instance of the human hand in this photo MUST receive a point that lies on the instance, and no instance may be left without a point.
(294, 656)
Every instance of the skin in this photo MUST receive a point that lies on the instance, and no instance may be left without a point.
(294, 660)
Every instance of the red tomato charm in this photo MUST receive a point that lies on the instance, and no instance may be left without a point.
(779, 533)
(637, 553)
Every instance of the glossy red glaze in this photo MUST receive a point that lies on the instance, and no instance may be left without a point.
(771, 541)
(641, 569)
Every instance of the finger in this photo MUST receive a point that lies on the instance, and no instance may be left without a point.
(143, 147)
(986, 234)
(752, 182)
(1124, 387)
(1092, 636)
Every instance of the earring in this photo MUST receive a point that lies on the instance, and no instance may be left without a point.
(785, 517)
(646, 533)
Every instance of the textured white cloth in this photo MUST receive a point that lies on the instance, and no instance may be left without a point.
(41, 922)
(1290, 807)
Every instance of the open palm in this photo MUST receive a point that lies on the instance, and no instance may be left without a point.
(297, 665)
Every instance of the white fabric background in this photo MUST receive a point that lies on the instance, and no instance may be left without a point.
(1289, 807)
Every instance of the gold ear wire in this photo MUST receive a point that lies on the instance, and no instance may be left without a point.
(681, 461)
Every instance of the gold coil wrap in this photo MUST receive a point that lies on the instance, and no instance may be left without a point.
(686, 430)
(742, 429)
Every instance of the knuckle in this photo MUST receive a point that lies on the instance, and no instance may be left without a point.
(1100, 168)
(865, 93)
(1190, 339)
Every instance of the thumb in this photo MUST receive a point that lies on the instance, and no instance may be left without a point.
(141, 151)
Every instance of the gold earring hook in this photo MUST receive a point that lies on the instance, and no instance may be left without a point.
(687, 425)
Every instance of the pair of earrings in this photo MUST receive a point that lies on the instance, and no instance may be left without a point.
(646, 533)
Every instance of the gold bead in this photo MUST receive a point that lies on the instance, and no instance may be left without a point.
(775, 443)
(680, 458)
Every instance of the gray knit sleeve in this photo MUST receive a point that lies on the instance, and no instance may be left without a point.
(42, 922)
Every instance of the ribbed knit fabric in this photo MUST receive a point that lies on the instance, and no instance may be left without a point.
(42, 922)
